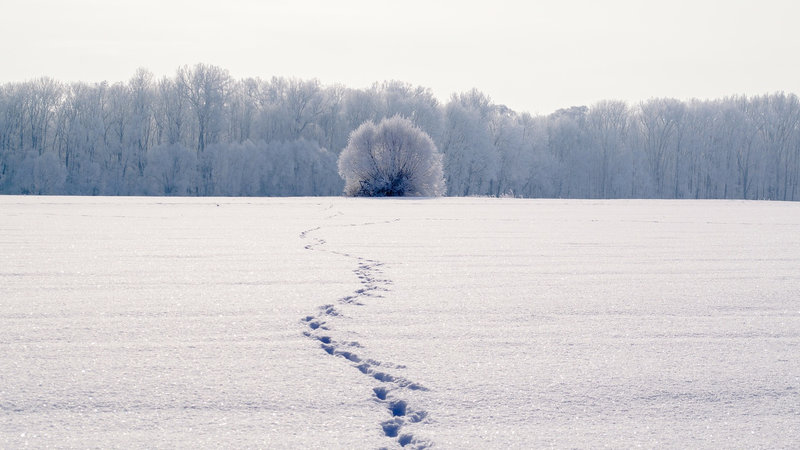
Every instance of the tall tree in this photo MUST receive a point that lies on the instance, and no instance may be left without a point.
(205, 88)
(471, 160)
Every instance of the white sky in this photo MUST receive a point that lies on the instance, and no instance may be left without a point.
(534, 56)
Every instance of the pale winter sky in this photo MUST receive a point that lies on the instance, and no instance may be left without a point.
(534, 56)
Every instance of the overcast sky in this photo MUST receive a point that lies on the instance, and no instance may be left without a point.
(534, 56)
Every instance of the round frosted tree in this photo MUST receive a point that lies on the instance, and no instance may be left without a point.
(392, 158)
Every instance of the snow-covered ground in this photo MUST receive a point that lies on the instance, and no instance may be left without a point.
(359, 323)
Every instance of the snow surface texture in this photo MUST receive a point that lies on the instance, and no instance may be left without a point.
(367, 323)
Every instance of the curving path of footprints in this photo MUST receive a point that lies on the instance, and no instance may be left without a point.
(321, 327)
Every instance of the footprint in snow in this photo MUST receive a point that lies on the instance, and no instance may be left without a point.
(367, 272)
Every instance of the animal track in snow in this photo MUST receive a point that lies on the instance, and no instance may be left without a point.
(320, 328)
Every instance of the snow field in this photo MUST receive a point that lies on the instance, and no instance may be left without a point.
(585, 324)
(141, 323)
(358, 323)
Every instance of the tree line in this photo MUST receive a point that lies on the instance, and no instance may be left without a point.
(202, 132)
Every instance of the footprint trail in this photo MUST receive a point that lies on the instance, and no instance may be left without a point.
(322, 325)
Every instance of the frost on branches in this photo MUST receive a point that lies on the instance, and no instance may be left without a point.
(390, 159)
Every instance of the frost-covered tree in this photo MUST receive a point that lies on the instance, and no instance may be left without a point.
(662, 130)
(569, 144)
(171, 170)
(392, 158)
(470, 157)
(40, 174)
(281, 136)
(206, 89)
(607, 127)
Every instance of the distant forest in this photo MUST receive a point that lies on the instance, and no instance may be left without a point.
(201, 132)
